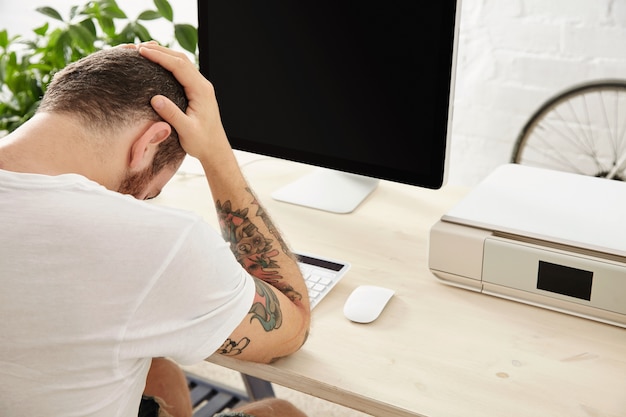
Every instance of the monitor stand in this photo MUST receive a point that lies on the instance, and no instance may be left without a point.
(328, 190)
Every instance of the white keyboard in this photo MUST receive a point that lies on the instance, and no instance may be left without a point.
(320, 274)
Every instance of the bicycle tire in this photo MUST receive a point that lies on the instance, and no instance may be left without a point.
(573, 131)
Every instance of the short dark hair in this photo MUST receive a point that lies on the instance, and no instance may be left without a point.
(111, 89)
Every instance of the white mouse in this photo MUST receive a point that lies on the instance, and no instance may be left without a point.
(366, 302)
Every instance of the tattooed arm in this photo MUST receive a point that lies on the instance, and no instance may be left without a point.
(281, 300)
(279, 318)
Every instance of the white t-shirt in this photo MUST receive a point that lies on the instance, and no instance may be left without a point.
(93, 284)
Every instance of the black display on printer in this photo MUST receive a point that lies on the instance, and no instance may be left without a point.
(564, 280)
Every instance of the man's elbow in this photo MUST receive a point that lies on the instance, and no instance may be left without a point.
(297, 341)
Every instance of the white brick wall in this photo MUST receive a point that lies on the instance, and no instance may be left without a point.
(513, 55)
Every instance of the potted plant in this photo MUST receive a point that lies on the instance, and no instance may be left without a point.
(27, 65)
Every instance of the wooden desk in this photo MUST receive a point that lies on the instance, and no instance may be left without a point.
(436, 350)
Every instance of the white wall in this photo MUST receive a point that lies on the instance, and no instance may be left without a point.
(513, 55)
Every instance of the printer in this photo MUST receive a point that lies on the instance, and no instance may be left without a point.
(548, 238)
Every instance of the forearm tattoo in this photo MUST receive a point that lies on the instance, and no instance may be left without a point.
(255, 253)
(252, 249)
(266, 308)
(232, 348)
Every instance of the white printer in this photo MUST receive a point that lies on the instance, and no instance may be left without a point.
(547, 238)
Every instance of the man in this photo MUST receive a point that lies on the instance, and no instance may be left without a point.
(96, 283)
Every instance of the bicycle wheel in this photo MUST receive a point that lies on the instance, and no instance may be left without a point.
(581, 130)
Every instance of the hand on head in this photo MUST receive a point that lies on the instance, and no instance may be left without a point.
(199, 128)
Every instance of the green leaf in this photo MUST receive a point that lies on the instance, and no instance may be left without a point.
(50, 12)
(12, 62)
(164, 7)
(73, 12)
(82, 37)
(141, 32)
(4, 38)
(41, 67)
(52, 38)
(107, 25)
(90, 9)
(149, 15)
(113, 11)
(126, 35)
(41, 31)
(187, 36)
(90, 26)
(62, 50)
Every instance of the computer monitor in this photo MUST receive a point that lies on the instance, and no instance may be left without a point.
(362, 90)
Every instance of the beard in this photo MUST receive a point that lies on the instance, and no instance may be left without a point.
(135, 184)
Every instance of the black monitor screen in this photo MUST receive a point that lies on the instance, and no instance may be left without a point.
(361, 87)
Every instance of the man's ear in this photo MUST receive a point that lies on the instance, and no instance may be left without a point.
(144, 146)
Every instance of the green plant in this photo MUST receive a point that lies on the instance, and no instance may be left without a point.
(27, 65)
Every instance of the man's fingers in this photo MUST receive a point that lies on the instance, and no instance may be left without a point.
(178, 64)
(134, 45)
(164, 49)
(168, 111)
(175, 62)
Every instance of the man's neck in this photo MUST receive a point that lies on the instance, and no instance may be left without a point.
(54, 144)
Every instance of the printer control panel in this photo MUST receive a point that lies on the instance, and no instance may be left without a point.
(550, 272)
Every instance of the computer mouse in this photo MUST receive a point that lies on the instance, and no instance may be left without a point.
(366, 302)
